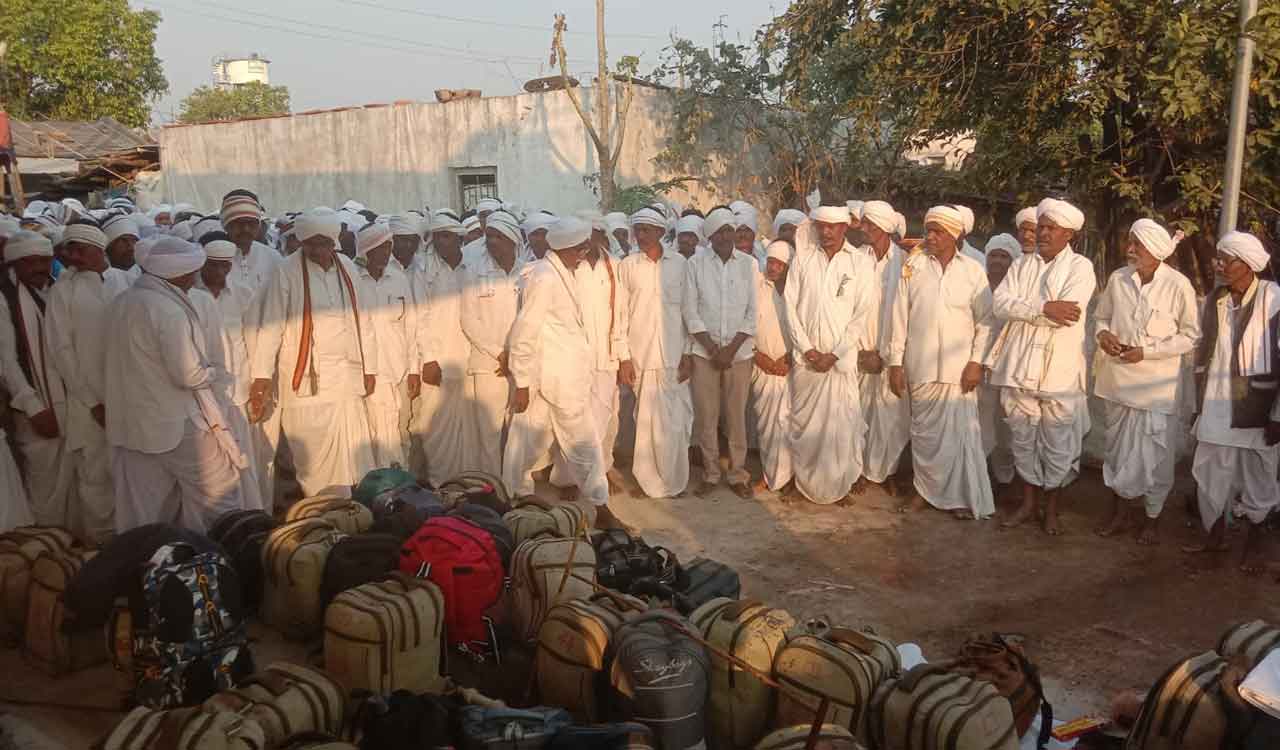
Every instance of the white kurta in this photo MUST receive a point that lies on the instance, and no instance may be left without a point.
(996, 438)
(1161, 317)
(888, 417)
(442, 414)
(15, 508)
(1234, 467)
(828, 301)
(655, 339)
(394, 316)
(1040, 364)
(940, 325)
(490, 299)
(252, 271)
(771, 394)
(324, 420)
(548, 344)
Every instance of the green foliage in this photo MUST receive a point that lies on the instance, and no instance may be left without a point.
(255, 99)
(79, 60)
(631, 199)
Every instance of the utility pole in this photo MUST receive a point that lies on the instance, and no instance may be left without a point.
(1239, 121)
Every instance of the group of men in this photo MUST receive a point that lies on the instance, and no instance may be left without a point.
(178, 359)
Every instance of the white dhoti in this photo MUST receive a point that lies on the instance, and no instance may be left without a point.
(191, 485)
(49, 470)
(996, 438)
(664, 424)
(93, 518)
(250, 483)
(827, 433)
(888, 421)
(573, 428)
(329, 440)
(603, 408)
(1243, 476)
(440, 418)
(387, 406)
(488, 397)
(946, 449)
(1140, 455)
(264, 447)
(15, 508)
(770, 406)
(1047, 431)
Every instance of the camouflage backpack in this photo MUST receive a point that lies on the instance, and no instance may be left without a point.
(194, 643)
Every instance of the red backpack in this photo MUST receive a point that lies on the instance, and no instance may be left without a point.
(462, 559)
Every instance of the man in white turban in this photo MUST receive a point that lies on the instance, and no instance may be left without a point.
(38, 395)
(241, 218)
(77, 331)
(939, 336)
(393, 314)
(122, 235)
(406, 245)
(966, 248)
(1038, 359)
(1027, 225)
(830, 292)
(770, 402)
(316, 347)
(654, 360)
(746, 233)
(1238, 430)
(887, 415)
(785, 223)
(490, 299)
(175, 458)
(619, 233)
(996, 438)
(690, 238)
(1146, 320)
(535, 228)
(473, 234)
(441, 416)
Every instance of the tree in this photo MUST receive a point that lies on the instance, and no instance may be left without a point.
(79, 60)
(255, 99)
(610, 128)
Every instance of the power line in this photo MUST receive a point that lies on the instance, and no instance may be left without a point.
(480, 22)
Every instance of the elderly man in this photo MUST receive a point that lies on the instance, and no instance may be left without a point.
(830, 292)
(77, 330)
(316, 343)
(393, 314)
(655, 362)
(551, 403)
(175, 458)
(888, 415)
(720, 314)
(490, 298)
(39, 398)
(1028, 227)
(689, 235)
(770, 402)
(1146, 320)
(1239, 424)
(996, 438)
(1039, 359)
(121, 233)
(241, 218)
(442, 414)
(935, 358)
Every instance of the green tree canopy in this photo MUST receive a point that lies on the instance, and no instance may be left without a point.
(79, 60)
(255, 99)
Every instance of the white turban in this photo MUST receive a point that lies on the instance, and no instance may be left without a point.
(538, 220)
(1061, 213)
(787, 216)
(371, 236)
(691, 223)
(470, 223)
(354, 207)
(1242, 245)
(1025, 216)
(506, 224)
(120, 226)
(207, 225)
(1153, 237)
(351, 220)
(25, 244)
(71, 204)
(881, 214)
(855, 209)
(616, 220)
(217, 250)
(488, 204)
(183, 208)
(86, 233)
(163, 208)
(966, 213)
(404, 224)
(741, 205)
(598, 224)
(781, 250)
(35, 208)
(1005, 243)
(947, 217)
(568, 232)
(747, 217)
(171, 257)
(650, 217)
(123, 204)
(181, 230)
(318, 222)
(831, 214)
(443, 220)
(719, 219)
(899, 224)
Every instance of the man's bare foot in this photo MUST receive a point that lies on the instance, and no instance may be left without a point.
(1119, 521)
(742, 490)
(848, 501)
(895, 487)
(1147, 537)
(569, 494)
(1254, 560)
(962, 515)
(1052, 524)
(704, 488)
(859, 487)
(605, 519)
(1025, 513)
(913, 504)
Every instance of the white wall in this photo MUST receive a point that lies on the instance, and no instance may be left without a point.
(399, 156)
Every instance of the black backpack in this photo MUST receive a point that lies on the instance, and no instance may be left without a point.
(703, 580)
(241, 533)
(357, 560)
(491, 521)
(660, 677)
(403, 510)
(406, 720)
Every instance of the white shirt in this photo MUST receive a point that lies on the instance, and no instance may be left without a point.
(548, 340)
(440, 336)
(722, 300)
(217, 344)
(888, 273)
(77, 327)
(1163, 319)
(415, 272)
(342, 352)
(389, 305)
(1032, 351)
(940, 318)
(1214, 424)
(490, 299)
(601, 300)
(828, 301)
(235, 305)
(770, 339)
(654, 335)
(252, 270)
(45, 388)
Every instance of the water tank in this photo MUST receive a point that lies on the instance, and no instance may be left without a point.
(237, 71)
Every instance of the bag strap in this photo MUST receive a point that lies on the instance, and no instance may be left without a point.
(911, 679)
(172, 726)
(851, 637)
(734, 611)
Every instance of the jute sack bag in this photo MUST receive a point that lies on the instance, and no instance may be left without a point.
(929, 708)
(184, 729)
(741, 703)
(830, 737)
(345, 514)
(545, 572)
(47, 646)
(1185, 709)
(293, 560)
(19, 549)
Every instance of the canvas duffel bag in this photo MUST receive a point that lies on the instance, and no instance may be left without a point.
(48, 645)
(293, 561)
(703, 580)
(306, 699)
(1251, 640)
(184, 729)
(928, 708)
(830, 737)
(346, 515)
(1185, 709)
(543, 574)
(19, 549)
(741, 702)
(485, 728)
(659, 676)
(534, 517)
(386, 636)
(569, 661)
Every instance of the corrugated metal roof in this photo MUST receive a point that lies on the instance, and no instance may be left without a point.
(66, 139)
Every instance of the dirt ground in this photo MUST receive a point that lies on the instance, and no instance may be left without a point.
(1098, 614)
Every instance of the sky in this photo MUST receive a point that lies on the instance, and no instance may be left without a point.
(334, 53)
